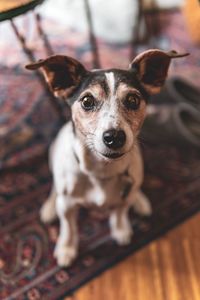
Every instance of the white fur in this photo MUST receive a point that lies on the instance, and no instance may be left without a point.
(121, 233)
(110, 117)
(48, 211)
(111, 82)
(66, 247)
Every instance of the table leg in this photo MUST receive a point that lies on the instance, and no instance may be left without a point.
(29, 53)
(93, 42)
(136, 39)
(42, 35)
(31, 57)
(151, 25)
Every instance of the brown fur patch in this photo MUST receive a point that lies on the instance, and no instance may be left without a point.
(134, 118)
(62, 73)
(89, 117)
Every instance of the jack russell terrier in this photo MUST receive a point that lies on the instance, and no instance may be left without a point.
(95, 158)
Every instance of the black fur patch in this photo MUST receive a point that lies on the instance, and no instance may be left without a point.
(98, 77)
(129, 77)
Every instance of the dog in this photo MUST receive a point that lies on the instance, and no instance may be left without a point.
(95, 158)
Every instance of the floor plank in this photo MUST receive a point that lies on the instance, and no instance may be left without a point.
(167, 269)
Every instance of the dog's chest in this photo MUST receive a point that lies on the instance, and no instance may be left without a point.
(108, 192)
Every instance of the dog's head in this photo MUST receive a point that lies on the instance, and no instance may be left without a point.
(108, 106)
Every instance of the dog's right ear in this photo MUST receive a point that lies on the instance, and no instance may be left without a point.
(62, 73)
(151, 68)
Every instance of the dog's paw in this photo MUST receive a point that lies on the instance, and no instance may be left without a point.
(122, 236)
(142, 205)
(65, 255)
(48, 212)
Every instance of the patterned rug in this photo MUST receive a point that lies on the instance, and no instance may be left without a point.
(27, 125)
(27, 120)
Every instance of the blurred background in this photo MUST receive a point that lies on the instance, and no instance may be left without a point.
(101, 34)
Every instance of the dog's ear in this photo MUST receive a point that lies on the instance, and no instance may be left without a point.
(151, 68)
(62, 73)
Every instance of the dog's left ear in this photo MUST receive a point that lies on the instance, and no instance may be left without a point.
(151, 68)
(62, 73)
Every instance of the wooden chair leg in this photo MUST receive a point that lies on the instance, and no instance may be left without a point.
(31, 57)
(43, 36)
(93, 42)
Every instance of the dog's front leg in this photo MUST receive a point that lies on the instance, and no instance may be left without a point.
(48, 210)
(120, 226)
(67, 243)
(141, 203)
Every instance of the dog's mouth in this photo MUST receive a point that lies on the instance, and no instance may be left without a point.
(113, 155)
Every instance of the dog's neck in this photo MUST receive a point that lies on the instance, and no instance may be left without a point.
(92, 164)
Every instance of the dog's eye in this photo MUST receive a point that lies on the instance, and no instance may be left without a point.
(132, 101)
(88, 102)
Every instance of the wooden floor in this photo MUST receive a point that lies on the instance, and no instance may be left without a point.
(167, 269)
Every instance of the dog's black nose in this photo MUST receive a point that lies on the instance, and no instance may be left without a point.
(114, 139)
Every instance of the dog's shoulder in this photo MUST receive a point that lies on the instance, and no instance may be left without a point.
(136, 167)
(61, 153)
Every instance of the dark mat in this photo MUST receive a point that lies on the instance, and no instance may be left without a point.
(27, 268)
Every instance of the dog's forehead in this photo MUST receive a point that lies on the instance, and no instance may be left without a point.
(111, 79)
(108, 81)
